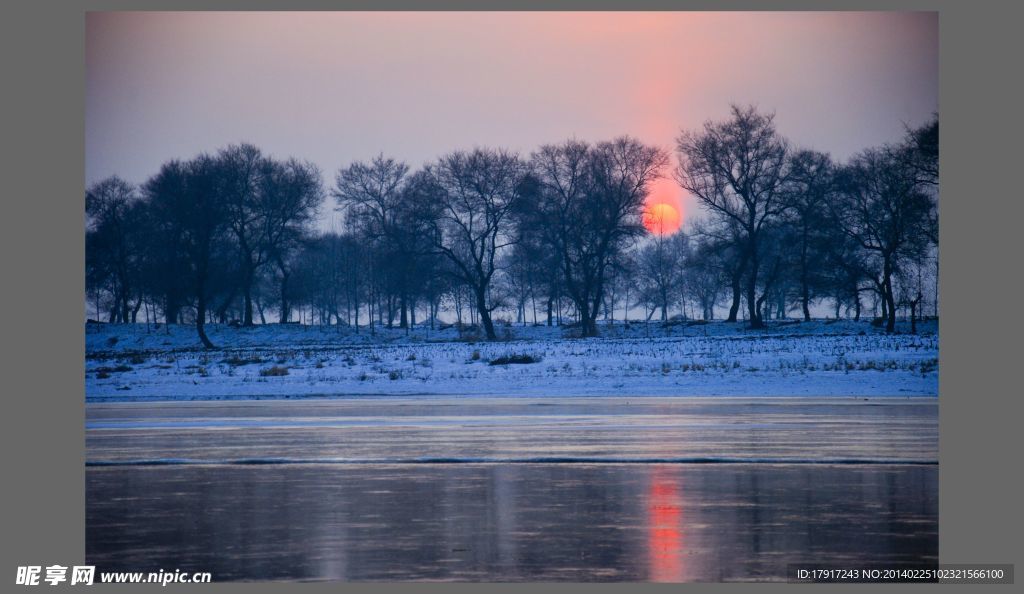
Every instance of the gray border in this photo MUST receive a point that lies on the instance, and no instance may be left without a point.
(41, 48)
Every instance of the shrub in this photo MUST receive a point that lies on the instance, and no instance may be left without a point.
(108, 370)
(274, 371)
(236, 361)
(515, 359)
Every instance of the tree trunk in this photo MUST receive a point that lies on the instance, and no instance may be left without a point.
(588, 326)
(758, 310)
(124, 306)
(805, 290)
(355, 303)
(485, 315)
(913, 315)
(171, 310)
(890, 301)
(285, 306)
(259, 308)
(737, 294)
(590, 311)
(201, 321)
(247, 281)
(753, 307)
(247, 314)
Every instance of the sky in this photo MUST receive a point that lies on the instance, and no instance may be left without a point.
(343, 86)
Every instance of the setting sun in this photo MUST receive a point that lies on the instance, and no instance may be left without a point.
(661, 219)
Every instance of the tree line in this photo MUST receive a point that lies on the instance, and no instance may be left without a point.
(232, 236)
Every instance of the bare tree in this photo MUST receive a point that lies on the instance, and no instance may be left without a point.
(467, 198)
(773, 280)
(114, 245)
(881, 206)
(242, 166)
(520, 276)
(620, 286)
(706, 269)
(737, 169)
(190, 198)
(290, 195)
(810, 186)
(168, 271)
(660, 270)
(380, 201)
(922, 151)
(587, 201)
(327, 271)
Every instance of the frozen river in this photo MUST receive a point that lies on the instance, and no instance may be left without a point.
(651, 489)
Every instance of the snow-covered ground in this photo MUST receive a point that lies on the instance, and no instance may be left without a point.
(818, 358)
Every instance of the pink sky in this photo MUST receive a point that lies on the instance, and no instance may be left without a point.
(335, 87)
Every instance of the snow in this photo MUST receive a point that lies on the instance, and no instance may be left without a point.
(818, 358)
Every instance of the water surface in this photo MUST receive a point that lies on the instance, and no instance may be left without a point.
(526, 490)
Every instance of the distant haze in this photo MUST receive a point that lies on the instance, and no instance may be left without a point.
(336, 87)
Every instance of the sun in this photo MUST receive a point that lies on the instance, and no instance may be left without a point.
(661, 218)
